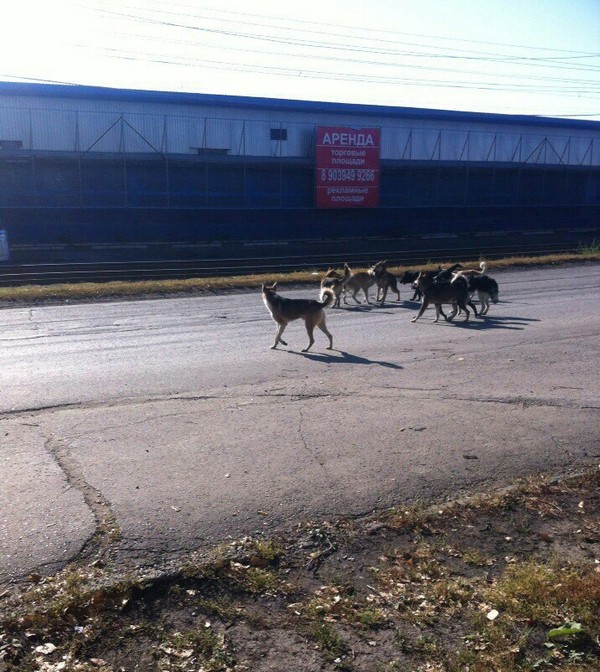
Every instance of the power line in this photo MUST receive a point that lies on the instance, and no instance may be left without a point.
(337, 59)
(305, 73)
(369, 48)
(361, 28)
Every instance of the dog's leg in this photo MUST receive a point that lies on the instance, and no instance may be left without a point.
(278, 338)
(366, 293)
(354, 296)
(485, 303)
(421, 310)
(393, 285)
(453, 313)
(463, 305)
(310, 328)
(323, 327)
(473, 307)
(437, 312)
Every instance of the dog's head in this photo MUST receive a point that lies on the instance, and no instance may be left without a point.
(378, 268)
(408, 277)
(269, 289)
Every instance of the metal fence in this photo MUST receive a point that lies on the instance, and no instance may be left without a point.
(232, 182)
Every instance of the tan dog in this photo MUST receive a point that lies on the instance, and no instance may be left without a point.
(284, 310)
(335, 281)
(354, 282)
(385, 280)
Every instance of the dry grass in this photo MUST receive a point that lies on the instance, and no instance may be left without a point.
(99, 291)
(444, 588)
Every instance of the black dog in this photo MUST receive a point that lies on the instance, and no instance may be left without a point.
(410, 278)
(445, 274)
(486, 288)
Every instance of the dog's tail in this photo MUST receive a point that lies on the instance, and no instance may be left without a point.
(347, 273)
(483, 267)
(459, 279)
(327, 297)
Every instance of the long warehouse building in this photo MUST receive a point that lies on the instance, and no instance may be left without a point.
(90, 172)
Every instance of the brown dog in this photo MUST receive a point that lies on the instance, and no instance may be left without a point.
(385, 280)
(284, 310)
(354, 282)
(335, 281)
(438, 293)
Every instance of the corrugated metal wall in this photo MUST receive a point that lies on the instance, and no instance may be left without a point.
(79, 125)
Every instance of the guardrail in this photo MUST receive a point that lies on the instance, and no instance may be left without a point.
(14, 274)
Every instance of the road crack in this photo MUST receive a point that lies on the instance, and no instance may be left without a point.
(108, 531)
(314, 454)
(525, 401)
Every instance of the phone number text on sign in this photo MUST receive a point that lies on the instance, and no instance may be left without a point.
(347, 170)
(347, 175)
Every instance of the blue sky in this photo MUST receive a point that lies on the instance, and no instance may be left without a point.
(520, 57)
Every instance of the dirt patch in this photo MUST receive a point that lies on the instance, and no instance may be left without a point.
(505, 580)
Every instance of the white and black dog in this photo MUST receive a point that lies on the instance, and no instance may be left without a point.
(486, 288)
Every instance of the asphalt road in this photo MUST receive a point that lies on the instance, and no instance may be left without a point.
(166, 425)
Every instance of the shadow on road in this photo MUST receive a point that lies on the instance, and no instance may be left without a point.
(346, 358)
(494, 322)
(385, 308)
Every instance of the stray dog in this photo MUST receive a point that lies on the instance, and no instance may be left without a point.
(438, 293)
(446, 274)
(334, 281)
(385, 280)
(354, 282)
(469, 272)
(410, 278)
(487, 290)
(284, 311)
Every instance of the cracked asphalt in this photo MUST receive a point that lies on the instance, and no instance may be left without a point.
(144, 428)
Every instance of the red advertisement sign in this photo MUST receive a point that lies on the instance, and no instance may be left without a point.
(347, 171)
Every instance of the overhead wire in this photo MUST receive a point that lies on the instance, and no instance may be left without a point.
(369, 48)
(560, 85)
(354, 61)
(389, 55)
(291, 20)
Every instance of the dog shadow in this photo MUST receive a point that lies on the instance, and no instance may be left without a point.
(346, 358)
(368, 307)
(488, 321)
(507, 322)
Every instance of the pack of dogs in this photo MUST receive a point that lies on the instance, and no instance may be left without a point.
(454, 286)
